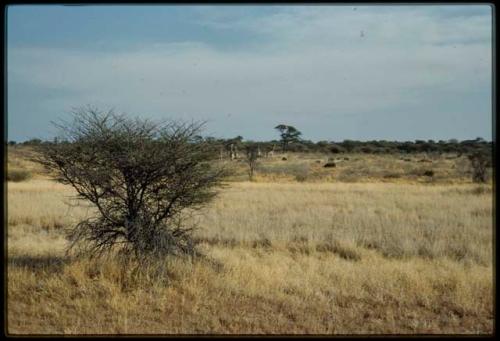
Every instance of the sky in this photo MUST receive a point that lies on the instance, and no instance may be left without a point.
(333, 72)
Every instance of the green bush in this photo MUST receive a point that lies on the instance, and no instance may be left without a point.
(18, 175)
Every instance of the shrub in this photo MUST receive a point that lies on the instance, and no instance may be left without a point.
(330, 164)
(301, 177)
(479, 163)
(429, 173)
(480, 190)
(141, 176)
(368, 149)
(18, 175)
(336, 149)
(33, 142)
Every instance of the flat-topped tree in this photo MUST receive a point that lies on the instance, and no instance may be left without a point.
(140, 175)
(289, 134)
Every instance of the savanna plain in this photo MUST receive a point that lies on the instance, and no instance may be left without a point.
(370, 246)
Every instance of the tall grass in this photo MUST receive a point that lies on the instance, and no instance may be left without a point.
(285, 258)
(396, 220)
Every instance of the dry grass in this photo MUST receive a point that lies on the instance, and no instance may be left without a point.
(18, 175)
(395, 219)
(19, 168)
(18, 158)
(295, 258)
(446, 169)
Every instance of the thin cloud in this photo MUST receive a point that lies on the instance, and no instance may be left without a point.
(313, 68)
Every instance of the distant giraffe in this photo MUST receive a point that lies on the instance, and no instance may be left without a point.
(270, 153)
(229, 149)
(221, 152)
(233, 154)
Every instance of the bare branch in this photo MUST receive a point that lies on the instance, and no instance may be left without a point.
(139, 174)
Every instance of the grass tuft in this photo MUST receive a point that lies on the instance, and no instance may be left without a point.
(18, 175)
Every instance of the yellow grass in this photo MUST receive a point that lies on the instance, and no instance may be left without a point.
(317, 258)
(448, 169)
(18, 159)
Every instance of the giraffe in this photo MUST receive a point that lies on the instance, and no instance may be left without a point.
(270, 153)
(233, 151)
(221, 152)
(231, 147)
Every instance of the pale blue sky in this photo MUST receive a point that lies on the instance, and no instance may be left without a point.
(334, 72)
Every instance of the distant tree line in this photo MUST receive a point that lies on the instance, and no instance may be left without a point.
(367, 147)
(346, 146)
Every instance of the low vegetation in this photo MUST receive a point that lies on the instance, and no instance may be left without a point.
(291, 142)
(327, 238)
(17, 175)
(282, 258)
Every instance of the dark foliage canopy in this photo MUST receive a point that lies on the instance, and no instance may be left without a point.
(289, 134)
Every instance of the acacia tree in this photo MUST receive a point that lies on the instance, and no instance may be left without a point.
(288, 135)
(140, 175)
